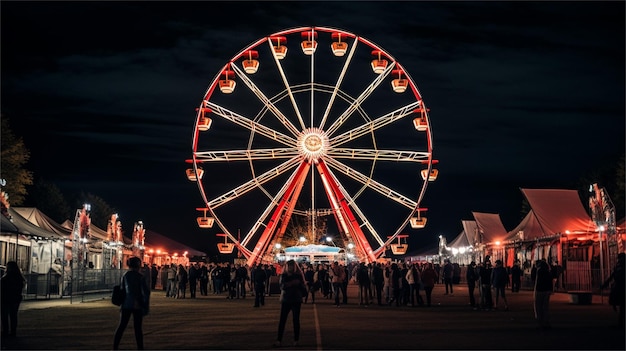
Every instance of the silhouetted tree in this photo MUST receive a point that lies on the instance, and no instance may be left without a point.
(14, 155)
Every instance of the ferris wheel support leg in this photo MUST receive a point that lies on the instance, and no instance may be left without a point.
(354, 227)
(262, 246)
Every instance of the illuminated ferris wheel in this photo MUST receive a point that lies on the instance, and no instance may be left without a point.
(312, 122)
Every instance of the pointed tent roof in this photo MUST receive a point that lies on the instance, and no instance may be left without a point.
(470, 228)
(490, 227)
(467, 237)
(25, 227)
(459, 241)
(530, 227)
(558, 211)
(41, 220)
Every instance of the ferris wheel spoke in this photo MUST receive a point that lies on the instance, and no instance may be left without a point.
(352, 203)
(338, 84)
(375, 124)
(272, 204)
(371, 183)
(245, 155)
(266, 101)
(250, 124)
(359, 100)
(379, 155)
(253, 183)
(287, 86)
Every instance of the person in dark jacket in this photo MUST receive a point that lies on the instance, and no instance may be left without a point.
(259, 276)
(448, 272)
(292, 288)
(484, 273)
(471, 276)
(617, 297)
(516, 277)
(136, 303)
(543, 290)
(499, 281)
(12, 283)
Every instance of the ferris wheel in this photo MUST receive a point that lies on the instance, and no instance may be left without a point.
(312, 123)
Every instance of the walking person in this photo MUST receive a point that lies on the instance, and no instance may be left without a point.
(499, 281)
(617, 297)
(136, 303)
(292, 291)
(543, 290)
(11, 284)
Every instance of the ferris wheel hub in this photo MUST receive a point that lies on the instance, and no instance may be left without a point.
(313, 144)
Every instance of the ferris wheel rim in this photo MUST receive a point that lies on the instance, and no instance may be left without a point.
(211, 89)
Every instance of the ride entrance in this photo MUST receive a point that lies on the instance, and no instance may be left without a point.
(312, 135)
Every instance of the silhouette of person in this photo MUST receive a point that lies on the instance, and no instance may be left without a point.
(617, 297)
(136, 303)
(292, 291)
(12, 283)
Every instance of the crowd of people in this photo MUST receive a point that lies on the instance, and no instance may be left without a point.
(390, 283)
(399, 284)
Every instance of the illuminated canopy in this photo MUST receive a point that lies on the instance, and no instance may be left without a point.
(554, 211)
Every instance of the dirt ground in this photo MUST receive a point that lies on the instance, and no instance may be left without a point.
(216, 323)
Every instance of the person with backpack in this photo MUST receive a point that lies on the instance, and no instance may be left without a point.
(136, 303)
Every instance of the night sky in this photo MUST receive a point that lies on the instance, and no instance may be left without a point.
(521, 95)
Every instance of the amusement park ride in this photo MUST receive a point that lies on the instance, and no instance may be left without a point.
(277, 128)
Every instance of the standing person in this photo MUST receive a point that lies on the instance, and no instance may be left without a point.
(543, 290)
(182, 278)
(292, 290)
(337, 276)
(448, 272)
(499, 281)
(429, 277)
(516, 277)
(309, 277)
(484, 272)
(395, 281)
(471, 276)
(617, 295)
(171, 281)
(136, 303)
(154, 274)
(259, 276)
(204, 279)
(194, 270)
(412, 278)
(11, 285)
(363, 278)
(379, 281)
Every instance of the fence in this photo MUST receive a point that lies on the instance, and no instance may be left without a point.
(86, 281)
